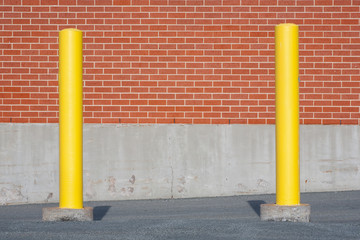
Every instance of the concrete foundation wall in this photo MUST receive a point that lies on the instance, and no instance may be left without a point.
(179, 161)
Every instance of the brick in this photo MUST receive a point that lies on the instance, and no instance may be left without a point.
(198, 56)
(12, 2)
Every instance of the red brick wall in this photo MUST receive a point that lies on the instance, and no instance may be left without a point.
(180, 61)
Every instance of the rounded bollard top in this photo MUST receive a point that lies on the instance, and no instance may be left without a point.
(286, 26)
(71, 30)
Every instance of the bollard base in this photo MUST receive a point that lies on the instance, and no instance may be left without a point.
(280, 213)
(67, 214)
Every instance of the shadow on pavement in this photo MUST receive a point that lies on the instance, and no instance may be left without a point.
(100, 212)
(255, 205)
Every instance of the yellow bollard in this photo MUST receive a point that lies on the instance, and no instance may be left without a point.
(287, 207)
(70, 124)
(287, 114)
(70, 119)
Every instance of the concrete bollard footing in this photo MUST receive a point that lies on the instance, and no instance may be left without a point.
(281, 213)
(67, 214)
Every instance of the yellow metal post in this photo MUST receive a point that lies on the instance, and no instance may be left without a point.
(70, 118)
(287, 207)
(287, 114)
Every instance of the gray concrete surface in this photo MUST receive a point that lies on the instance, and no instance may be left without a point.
(123, 162)
(52, 214)
(335, 215)
(281, 213)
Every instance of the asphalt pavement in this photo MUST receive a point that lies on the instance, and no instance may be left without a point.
(334, 215)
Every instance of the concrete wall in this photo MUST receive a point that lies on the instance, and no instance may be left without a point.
(179, 161)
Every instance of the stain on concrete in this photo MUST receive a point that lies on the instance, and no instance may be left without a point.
(181, 186)
(348, 169)
(130, 189)
(89, 196)
(182, 180)
(49, 197)
(263, 184)
(90, 186)
(132, 179)
(127, 191)
(340, 167)
(180, 189)
(111, 187)
(242, 188)
(11, 193)
(172, 183)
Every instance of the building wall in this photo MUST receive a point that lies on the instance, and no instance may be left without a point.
(204, 69)
(123, 162)
(179, 61)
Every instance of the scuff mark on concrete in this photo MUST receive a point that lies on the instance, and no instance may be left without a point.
(263, 184)
(49, 197)
(330, 160)
(181, 186)
(132, 179)
(112, 181)
(90, 192)
(172, 182)
(352, 169)
(127, 191)
(242, 188)
(182, 180)
(343, 168)
(11, 194)
(181, 189)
